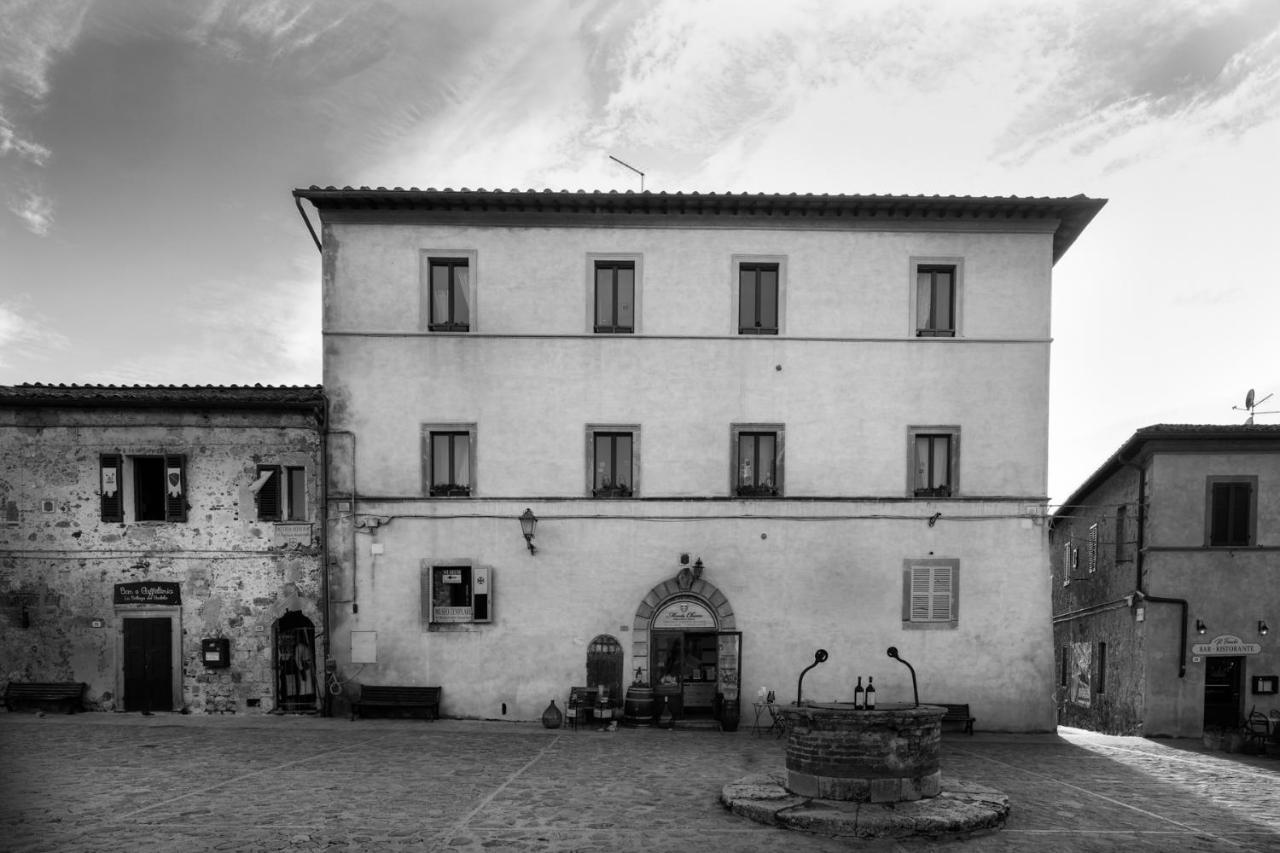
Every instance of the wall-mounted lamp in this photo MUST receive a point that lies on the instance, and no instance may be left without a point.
(528, 524)
(1200, 629)
(1262, 627)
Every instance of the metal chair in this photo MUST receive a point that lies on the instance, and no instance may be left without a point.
(1257, 730)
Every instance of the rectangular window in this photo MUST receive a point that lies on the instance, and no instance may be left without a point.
(450, 463)
(758, 298)
(453, 594)
(613, 461)
(931, 593)
(757, 461)
(1232, 508)
(615, 292)
(280, 493)
(296, 493)
(1122, 513)
(159, 488)
(111, 484)
(1102, 667)
(934, 461)
(935, 301)
(450, 295)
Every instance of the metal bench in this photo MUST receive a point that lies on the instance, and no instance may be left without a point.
(957, 714)
(63, 695)
(399, 697)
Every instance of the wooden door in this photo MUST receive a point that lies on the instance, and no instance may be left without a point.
(148, 664)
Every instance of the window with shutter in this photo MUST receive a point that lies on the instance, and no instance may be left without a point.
(268, 493)
(1231, 511)
(111, 482)
(1093, 547)
(175, 485)
(930, 593)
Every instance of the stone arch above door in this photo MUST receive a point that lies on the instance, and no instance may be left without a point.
(683, 585)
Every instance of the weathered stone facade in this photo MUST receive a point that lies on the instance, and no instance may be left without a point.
(90, 580)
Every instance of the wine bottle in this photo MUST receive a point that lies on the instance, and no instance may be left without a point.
(871, 695)
(857, 695)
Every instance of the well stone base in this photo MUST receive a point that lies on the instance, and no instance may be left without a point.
(962, 808)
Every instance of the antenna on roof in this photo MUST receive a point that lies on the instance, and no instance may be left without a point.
(1251, 405)
(632, 168)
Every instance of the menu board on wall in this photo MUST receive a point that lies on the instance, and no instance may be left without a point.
(729, 652)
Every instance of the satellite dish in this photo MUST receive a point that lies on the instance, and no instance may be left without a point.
(1248, 399)
(1251, 404)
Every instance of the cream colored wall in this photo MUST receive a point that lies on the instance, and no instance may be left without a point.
(852, 379)
(1230, 589)
(795, 585)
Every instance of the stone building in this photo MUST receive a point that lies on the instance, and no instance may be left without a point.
(162, 545)
(746, 426)
(1165, 583)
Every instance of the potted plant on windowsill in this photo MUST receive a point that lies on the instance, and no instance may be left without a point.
(611, 490)
(936, 492)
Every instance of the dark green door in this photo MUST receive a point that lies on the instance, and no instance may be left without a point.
(148, 664)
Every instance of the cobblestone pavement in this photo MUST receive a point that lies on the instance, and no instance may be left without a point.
(108, 782)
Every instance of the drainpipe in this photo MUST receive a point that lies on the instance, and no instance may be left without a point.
(307, 220)
(1138, 593)
(322, 416)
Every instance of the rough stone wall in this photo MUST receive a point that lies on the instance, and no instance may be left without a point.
(1089, 608)
(60, 562)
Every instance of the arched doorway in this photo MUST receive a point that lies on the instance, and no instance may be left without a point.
(686, 648)
(295, 664)
(604, 666)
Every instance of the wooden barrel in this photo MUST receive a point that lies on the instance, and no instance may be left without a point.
(638, 708)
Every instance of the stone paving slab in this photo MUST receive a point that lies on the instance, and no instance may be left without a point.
(108, 782)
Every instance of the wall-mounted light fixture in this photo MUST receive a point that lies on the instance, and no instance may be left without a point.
(1262, 627)
(528, 524)
(1200, 628)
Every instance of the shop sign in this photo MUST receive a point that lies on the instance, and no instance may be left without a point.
(684, 615)
(148, 592)
(451, 614)
(1226, 644)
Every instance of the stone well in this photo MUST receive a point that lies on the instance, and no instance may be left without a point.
(886, 755)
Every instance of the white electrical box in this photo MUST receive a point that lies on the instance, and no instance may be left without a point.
(364, 646)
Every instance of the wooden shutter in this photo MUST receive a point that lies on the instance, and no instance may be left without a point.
(931, 593)
(111, 476)
(175, 487)
(268, 496)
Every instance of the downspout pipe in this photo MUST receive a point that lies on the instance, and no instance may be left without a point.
(322, 415)
(1138, 593)
(307, 220)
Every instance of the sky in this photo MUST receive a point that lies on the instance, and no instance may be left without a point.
(148, 150)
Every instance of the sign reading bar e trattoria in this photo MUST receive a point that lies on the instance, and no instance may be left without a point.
(148, 592)
(1226, 644)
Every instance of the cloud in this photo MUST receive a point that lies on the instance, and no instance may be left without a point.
(35, 211)
(33, 34)
(229, 332)
(25, 336)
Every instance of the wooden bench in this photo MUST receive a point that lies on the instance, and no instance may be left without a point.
(957, 714)
(64, 695)
(399, 697)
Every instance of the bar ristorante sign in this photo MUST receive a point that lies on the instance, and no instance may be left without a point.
(1226, 644)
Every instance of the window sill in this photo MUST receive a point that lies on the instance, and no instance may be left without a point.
(449, 327)
(757, 492)
(935, 333)
(454, 492)
(941, 492)
(614, 330)
(930, 626)
(757, 331)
